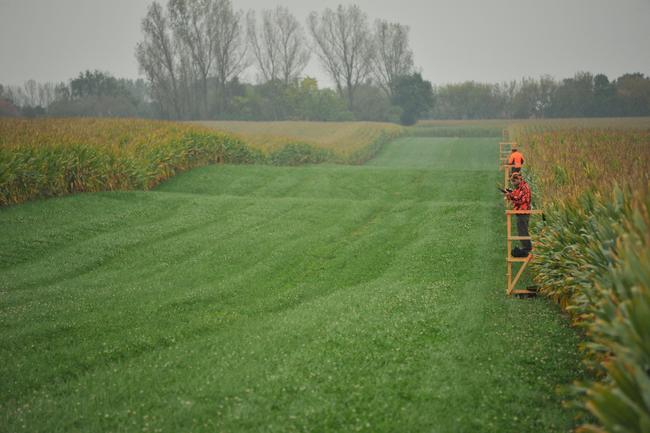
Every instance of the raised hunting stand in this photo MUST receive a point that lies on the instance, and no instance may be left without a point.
(512, 282)
(505, 149)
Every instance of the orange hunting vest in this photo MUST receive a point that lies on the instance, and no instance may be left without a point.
(516, 159)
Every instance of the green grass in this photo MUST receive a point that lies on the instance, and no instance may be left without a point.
(459, 128)
(455, 131)
(267, 299)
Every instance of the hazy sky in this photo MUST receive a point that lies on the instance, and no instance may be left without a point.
(453, 40)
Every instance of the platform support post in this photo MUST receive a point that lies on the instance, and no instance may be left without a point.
(509, 242)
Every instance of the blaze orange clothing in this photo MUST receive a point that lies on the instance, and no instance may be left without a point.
(520, 197)
(516, 159)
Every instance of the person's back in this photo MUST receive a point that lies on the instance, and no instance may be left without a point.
(517, 160)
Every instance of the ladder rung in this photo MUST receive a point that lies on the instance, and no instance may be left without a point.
(520, 238)
(519, 259)
(524, 212)
(523, 292)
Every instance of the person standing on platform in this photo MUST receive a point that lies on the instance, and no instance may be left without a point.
(520, 199)
(516, 160)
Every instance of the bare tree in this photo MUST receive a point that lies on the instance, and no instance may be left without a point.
(230, 46)
(31, 93)
(194, 24)
(48, 94)
(264, 46)
(190, 94)
(393, 57)
(157, 57)
(280, 48)
(345, 47)
(16, 94)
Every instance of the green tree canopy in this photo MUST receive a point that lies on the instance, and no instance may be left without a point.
(414, 96)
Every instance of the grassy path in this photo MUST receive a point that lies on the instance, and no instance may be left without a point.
(264, 299)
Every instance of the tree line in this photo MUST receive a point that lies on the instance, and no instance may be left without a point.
(91, 93)
(583, 95)
(194, 53)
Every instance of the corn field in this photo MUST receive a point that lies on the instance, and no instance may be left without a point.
(594, 255)
(341, 142)
(54, 157)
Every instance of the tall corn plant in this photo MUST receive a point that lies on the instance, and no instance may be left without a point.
(594, 255)
(621, 330)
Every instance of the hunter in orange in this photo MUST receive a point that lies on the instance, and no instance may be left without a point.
(516, 159)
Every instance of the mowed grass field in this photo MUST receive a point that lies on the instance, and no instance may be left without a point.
(273, 299)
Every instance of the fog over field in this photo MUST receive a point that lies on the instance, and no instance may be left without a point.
(453, 40)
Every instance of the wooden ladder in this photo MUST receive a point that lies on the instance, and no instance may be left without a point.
(525, 261)
(505, 148)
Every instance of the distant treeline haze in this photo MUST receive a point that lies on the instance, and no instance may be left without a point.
(584, 95)
(193, 54)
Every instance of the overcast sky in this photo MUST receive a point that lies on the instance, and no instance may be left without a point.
(453, 40)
